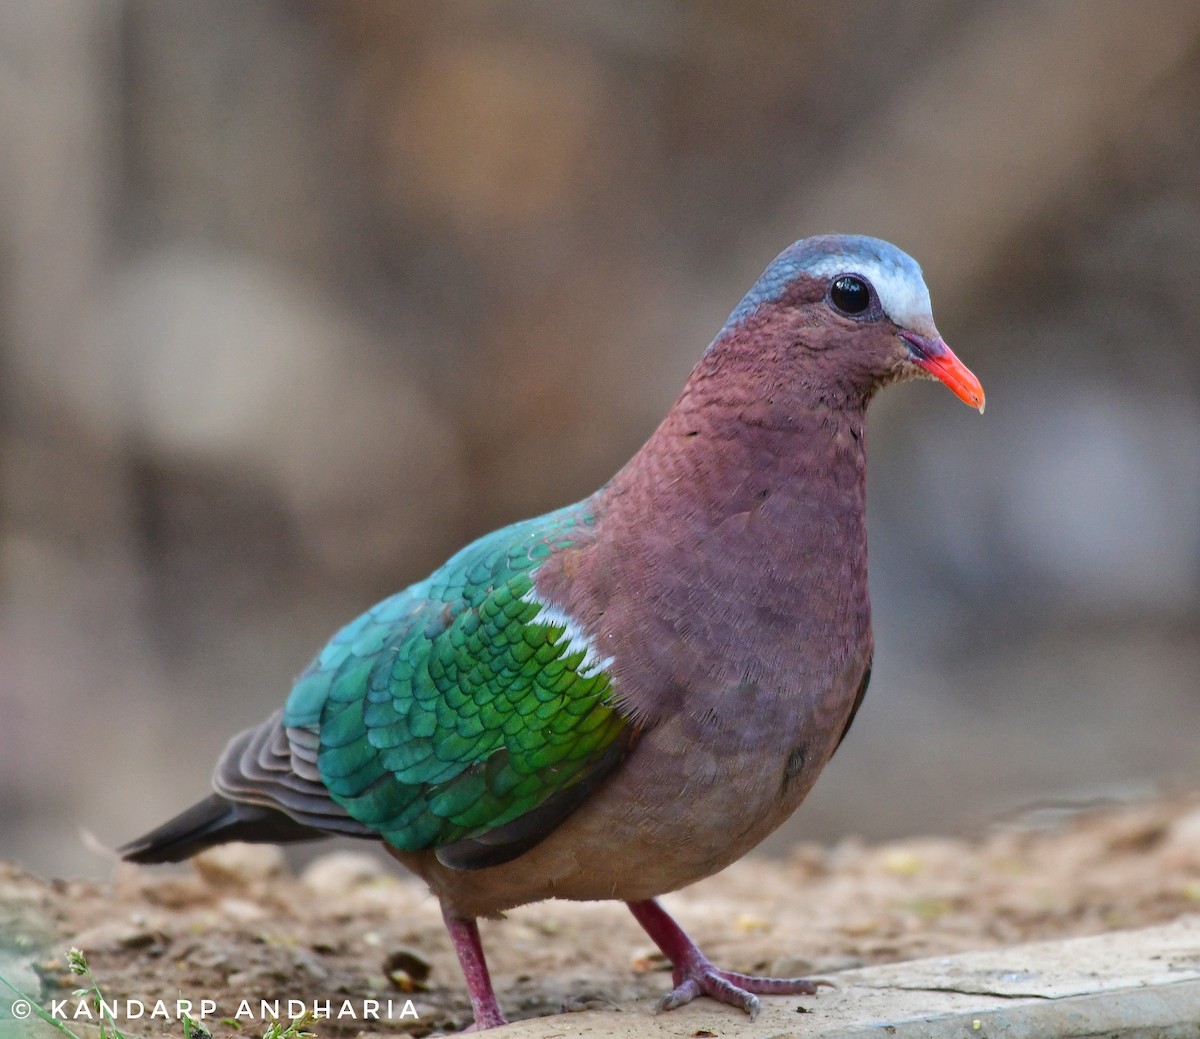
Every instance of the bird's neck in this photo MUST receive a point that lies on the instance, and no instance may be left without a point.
(730, 448)
(729, 554)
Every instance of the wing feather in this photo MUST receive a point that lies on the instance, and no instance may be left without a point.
(263, 766)
(453, 716)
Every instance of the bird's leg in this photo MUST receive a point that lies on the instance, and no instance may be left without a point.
(694, 974)
(465, 935)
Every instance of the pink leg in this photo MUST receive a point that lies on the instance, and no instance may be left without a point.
(695, 975)
(465, 935)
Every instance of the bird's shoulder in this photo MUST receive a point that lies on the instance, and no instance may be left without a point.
(481, 578)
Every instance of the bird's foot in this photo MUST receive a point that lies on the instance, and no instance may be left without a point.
(695, 975)
(483, 1022)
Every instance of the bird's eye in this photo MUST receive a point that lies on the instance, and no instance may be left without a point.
(849, 294)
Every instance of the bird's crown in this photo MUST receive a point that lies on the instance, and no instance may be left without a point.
(894, 275)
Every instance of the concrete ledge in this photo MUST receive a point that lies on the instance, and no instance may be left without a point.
(1143, 984)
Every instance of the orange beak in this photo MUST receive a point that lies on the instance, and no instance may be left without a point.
(939, 361)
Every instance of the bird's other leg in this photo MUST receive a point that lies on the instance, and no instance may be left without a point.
(465, 935)
(694, 974)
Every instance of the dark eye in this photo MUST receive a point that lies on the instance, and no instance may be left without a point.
(850, 294)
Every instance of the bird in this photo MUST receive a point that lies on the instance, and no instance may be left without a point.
(627, 694)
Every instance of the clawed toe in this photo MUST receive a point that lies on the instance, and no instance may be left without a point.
(739, 990)
(710, 982)
(774, 986)
(679, 995)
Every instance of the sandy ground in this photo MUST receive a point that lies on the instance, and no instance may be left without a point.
(238, 926)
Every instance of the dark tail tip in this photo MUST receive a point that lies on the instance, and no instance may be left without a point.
(215, 820)
(200, 827)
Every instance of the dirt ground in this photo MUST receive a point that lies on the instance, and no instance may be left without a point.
(236, 925)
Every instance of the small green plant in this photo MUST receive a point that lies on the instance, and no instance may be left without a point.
(78, 965)
(192, 1029)
(292, 1030)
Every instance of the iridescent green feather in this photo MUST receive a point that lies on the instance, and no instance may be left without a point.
(445, 711)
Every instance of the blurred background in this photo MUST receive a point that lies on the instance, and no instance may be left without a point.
(297, 297)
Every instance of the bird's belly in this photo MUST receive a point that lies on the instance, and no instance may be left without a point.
(679, 810)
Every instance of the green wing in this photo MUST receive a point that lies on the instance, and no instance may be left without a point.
(448, 718)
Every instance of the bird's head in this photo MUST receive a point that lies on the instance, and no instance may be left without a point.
(859, 310)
